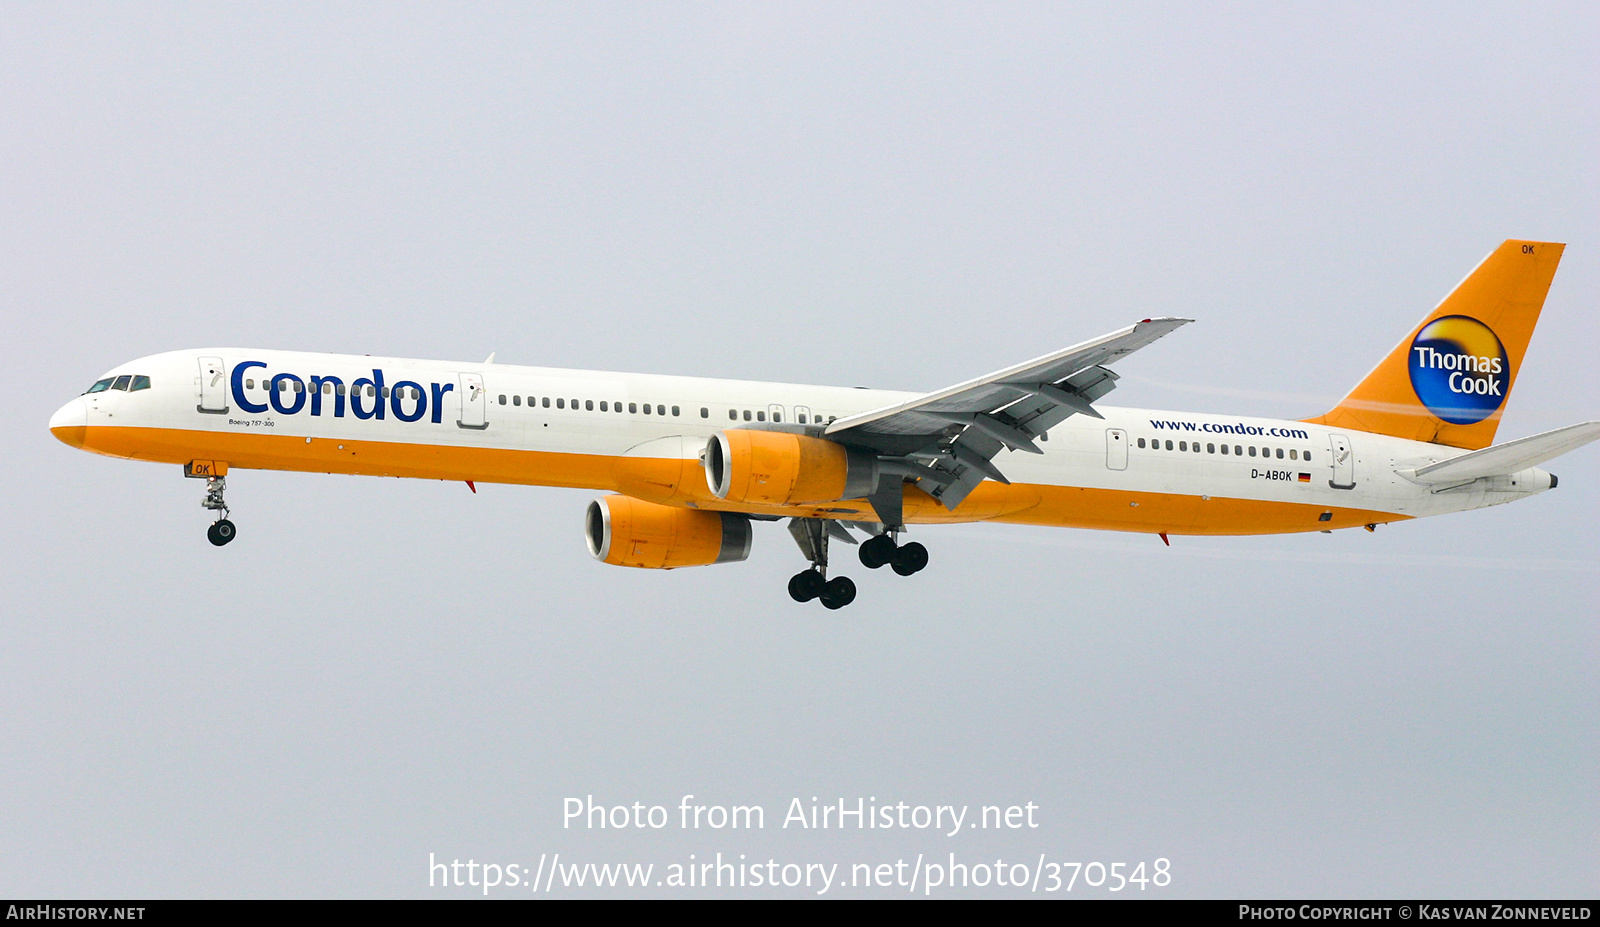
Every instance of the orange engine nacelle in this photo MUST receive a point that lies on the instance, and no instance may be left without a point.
(624, 531)
(779, 468)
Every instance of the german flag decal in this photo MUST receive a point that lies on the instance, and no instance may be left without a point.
(1305, 477)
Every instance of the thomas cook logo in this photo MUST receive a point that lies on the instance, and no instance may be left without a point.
(1459, 369)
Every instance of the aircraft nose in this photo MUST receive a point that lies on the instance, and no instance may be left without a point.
(71, 423)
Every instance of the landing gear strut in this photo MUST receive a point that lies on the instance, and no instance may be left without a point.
(222, 530)
(904, 558)
(812, 536)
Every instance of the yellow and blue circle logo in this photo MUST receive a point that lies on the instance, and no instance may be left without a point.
(1459, 369)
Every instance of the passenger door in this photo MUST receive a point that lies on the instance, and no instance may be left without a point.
(474, 403)
(1344, 463)
(1116, 449)
(213, 386)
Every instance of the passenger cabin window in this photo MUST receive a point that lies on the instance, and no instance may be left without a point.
(802, 417)
(705, 412)
(747, 415)
(674, 411)
(1141, 442)
(588, 405)
(545, 401)
(761, 416)
(561, 403)
(733, 414)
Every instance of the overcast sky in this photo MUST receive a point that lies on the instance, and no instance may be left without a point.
(898, 196)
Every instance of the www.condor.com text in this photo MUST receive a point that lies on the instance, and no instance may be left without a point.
(926, 875)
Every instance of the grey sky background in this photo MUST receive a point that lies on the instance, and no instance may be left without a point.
(888, 195)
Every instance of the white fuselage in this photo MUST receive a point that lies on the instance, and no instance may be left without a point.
(544, 426)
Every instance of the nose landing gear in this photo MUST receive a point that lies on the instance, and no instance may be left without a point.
(222, 530)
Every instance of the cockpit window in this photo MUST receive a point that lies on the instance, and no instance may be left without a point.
(122, 382)
(99, 386)
(139, 383)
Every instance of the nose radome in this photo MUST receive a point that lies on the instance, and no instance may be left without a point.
(70, 423)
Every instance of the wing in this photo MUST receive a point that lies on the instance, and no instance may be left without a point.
(947, 439)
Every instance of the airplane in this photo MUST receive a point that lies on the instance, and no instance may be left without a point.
(688, 464)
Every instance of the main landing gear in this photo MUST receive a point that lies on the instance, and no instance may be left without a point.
(222, 530)
(882, 550)
(812, 534)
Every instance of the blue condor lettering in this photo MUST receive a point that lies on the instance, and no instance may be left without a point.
(280, 386)
(372, 388)
(334, 383)
(1240, 429)
(407, 388)
(254, 408)
(439, 389)
(287, 395)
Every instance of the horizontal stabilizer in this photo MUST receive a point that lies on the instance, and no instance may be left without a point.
(1508, 458)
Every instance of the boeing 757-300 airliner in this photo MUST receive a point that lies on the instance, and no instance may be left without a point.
(688, 464)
